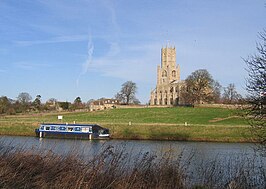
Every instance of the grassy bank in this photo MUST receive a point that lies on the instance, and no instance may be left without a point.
(200, 124)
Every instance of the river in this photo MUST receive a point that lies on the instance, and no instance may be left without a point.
(203, 150)
(201, 155)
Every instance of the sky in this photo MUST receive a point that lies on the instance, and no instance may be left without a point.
(63, 49)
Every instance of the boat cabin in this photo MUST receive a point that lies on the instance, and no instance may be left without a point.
(72, 130)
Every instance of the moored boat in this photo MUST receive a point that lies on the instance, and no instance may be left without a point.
(77, 131)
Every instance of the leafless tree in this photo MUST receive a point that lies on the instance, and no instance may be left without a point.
(127, 93)
(256, 88)
(199, 87)
(230, 95)
(24, 98)
(217, 92)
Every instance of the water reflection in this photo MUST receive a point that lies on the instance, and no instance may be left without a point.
(201, 156)
(205, 151)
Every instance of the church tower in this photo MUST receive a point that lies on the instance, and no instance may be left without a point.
(167, 90)
(168, 71)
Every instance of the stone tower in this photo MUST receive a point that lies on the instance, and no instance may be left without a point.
(168, 71)
(168, 86)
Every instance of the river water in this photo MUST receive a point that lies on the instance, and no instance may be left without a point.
(201, 155)
(203, 150)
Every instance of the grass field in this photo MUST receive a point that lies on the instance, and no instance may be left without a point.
(201, 124)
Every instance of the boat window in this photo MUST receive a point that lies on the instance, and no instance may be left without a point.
(62, 128)
(42, 127)
(53, 128)
(85, 129)
(70, 129)
(105, 131)
(90, 129)
(77, 128)
(47, 128)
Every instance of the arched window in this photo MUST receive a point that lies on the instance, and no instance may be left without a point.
(160, 94)
(171, 101)
(173, 73)
(171, 89)
(164, 73)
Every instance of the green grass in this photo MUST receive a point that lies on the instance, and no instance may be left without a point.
(205, 124)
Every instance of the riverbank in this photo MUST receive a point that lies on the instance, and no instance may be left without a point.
(116, 165)
(190, 124)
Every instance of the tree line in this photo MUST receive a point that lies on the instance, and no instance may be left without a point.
(24, 103)
(199, 87)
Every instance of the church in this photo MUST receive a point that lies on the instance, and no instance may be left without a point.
(168, 87)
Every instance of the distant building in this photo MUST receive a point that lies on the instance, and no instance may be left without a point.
(167, 91)
(104, 103)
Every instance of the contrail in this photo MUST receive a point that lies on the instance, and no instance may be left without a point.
(86, 64)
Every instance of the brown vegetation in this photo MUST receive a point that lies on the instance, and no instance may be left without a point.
(113, 168)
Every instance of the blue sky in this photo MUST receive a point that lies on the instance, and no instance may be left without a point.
(67, 48)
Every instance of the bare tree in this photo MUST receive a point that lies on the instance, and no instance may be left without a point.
(199, 87)
(89, 103)
(24, 98)
(256, 87)
(51, 101)
(230, 95)
(217, 92)
(127, 93)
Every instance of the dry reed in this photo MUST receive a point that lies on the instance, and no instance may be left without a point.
(114, 168)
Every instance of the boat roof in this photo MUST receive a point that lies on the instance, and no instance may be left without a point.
(74, 125)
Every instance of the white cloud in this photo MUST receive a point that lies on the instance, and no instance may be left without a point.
(114, 49)
(86, 64)
(29, 65)
(137, 63)
(59, 39)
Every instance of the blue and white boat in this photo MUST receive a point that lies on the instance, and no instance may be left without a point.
(77, 131)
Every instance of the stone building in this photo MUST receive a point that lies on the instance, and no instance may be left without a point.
(104, 103)
(167, 91)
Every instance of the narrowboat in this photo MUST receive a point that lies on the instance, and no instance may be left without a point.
(76, 131)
